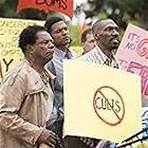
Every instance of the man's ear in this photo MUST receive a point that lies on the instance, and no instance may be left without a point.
(29, 48)
(82, 43)
(96, 36)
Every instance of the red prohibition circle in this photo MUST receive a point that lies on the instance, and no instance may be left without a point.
(121, 99)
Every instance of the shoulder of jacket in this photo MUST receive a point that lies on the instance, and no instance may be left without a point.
(18, 73)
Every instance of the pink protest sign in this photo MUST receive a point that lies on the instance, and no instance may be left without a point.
(133, 54)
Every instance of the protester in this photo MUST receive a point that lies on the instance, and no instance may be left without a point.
(87, 40)
(107, 40)
(26, 97)
(57, 27)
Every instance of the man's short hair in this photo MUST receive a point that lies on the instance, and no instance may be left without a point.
(28, 36)
(50, 21)
(84, 34)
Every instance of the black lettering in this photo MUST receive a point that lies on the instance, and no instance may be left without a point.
(63, 4)
(110, 105)
(117, 105)
(39, 2)
(104, 103)
(1, 72)
(130, 46)
(7, 64)
(50, 2)
(100, 103)
(133, 37)
(97, 103)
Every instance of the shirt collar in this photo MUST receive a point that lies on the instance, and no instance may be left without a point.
(51, 76)
(103, 56)
(61, 54)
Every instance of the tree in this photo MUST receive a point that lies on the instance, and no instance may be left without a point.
(123, 11)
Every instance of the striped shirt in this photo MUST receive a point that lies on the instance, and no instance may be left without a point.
(98, 57)
(56, 67)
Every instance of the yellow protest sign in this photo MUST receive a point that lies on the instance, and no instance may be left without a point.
(100, 101)
(9, 33)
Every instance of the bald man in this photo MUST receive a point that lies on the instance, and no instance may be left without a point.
(107, 41)
(106, 36)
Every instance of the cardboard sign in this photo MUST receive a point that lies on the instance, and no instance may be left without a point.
(133, 54)
(64, 6)
(10, 54)
(98, 101)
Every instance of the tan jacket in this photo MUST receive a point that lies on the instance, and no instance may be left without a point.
(26, 104)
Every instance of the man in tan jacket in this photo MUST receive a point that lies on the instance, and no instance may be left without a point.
(26, 97)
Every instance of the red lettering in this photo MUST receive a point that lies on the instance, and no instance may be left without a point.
(145, 86)
(134, 67)
(143, 72)
(142, 48)
(144, 80)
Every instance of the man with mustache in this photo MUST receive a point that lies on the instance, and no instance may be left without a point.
(106, 36)
(107, 41)
(26, 97)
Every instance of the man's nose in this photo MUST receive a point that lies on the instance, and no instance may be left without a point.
(51, 45)
(115, 33)
(64, 32)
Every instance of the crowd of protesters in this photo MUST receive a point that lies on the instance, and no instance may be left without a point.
(31, 95)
